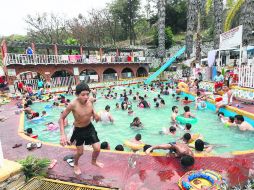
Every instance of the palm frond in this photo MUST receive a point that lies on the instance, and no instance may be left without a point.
(231, 14)
(208, 6)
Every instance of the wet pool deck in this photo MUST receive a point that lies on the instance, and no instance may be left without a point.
(150, 172)
(245, 107)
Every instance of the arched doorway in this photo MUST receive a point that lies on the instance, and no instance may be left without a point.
(142, 72)
(62, 78)
(89, 76)
(127, 73)
(29, 78)
(109, 75)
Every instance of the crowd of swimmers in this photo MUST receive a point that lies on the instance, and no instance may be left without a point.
(189, 143)
(184, 147)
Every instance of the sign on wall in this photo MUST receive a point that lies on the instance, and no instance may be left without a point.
(75, 71)
(11, 72)
(231, 38)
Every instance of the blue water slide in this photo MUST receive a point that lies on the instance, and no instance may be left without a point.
(166, 65)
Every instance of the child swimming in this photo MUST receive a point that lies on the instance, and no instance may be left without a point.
(187, 113)
(136, 123)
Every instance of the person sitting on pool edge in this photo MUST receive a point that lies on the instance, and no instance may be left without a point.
(187, 113)
(181, 151)
(227, 99)
(84, 131)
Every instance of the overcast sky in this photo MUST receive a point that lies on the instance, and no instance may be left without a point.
(13, 12)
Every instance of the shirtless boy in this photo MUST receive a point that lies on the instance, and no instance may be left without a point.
(174, 115)
(84, 131)
(181, 150)
(243, 125)
(187, 113)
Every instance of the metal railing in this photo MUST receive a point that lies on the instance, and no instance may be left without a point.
(246, 76)
(54, 82)
(63, 81)
(32, 82)
(110, 77)
(12, 58)
(127, 75)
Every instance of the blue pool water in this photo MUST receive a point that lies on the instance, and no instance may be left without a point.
(153, 119)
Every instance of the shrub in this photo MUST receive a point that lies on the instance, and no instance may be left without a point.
(33, 166)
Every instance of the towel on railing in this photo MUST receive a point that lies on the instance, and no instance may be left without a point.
(64, 58)
(72, 58)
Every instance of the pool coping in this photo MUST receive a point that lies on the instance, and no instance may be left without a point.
(236, 110)
(230, 108)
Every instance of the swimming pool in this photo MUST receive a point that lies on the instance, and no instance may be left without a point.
(153, 119)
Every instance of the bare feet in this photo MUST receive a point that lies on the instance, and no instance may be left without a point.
(77, 170)
(98, 164)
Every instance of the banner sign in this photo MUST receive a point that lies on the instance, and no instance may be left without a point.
(231, 38)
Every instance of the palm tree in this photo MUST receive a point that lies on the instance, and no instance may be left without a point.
(198, 38)
(218, 13)
(161, 29)
(191, 22)
(247, 20)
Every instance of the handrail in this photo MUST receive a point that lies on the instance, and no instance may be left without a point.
(34, 59)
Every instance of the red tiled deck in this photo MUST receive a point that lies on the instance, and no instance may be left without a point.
(149, 173)
(245, 107)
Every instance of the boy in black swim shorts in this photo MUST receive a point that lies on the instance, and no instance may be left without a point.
(84, 131)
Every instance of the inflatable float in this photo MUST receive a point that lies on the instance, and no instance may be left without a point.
(133, 146)
(202, 105)
(183, 120)
(183, 87)
(203, 179)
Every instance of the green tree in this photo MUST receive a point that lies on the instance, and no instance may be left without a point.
(176, 9)
(168, 38)
(247, 20)
(127, 11)
(71, 41)
(33, 166)
(13, 38)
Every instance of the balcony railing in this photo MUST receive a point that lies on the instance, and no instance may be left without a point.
(11, 58)
(246, 76)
